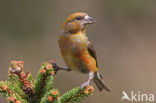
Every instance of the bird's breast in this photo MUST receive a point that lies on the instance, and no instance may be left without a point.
(73, 44)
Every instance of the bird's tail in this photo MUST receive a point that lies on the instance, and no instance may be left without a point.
(98, 79)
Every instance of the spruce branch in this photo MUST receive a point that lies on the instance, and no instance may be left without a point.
(8, 90)
(22, 88)
(76, 94)
(16, 99)
(16, 68)
(44, 80)
(51, 96)
(5, 90)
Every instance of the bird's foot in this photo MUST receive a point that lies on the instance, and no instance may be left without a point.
(91, 75)
(56, 67)
(86, 84)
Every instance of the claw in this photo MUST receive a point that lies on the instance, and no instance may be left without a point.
(56, 67)
(84, 85)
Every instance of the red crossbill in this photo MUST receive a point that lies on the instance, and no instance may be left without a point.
(77, 52)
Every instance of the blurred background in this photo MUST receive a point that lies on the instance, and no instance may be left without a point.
(124, 37)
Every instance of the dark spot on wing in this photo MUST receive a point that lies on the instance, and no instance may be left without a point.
(92, 52)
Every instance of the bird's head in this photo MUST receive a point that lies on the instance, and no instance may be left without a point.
(77, 22)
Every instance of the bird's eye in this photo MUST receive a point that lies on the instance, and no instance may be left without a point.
(78, 18)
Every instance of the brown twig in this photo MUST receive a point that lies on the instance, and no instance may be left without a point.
(17, 68)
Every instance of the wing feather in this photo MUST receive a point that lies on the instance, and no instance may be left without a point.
(92, 52)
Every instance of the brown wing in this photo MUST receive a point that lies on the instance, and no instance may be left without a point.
(92, 52)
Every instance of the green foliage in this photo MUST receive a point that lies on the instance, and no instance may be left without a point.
(51, 96)
(44, 80)
(22, 88)
(76, 94)
(8, 90)
(30, 78)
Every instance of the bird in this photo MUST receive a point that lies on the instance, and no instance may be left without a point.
(77, 51)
